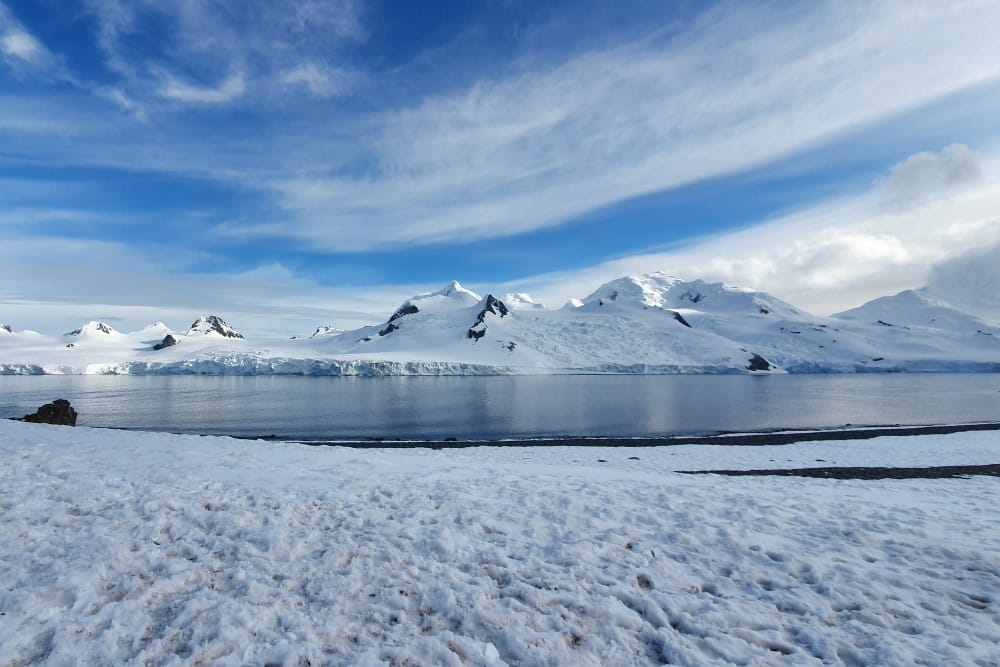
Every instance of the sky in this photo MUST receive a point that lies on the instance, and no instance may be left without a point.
(289, 165)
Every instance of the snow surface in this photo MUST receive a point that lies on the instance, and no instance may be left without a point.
(142, 548)
(638, 324)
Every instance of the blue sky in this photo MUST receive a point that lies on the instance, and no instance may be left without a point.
(318, 161)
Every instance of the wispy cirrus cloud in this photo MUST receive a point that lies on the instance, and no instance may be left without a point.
(18, 47)
(320, 80)
(227, 91)
(252, 49)
(741, 87)
(21, 45)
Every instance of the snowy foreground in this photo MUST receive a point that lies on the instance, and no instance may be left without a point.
(140, 548)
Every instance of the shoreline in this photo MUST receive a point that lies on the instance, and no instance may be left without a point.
(761, 438)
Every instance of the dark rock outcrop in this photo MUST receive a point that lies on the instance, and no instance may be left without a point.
(389, 328)
(58, 412)
(491, 304)
(168, 341)
(495, 306)
(693, 297)
(611, 297)
(323, 330)
(758, 363)
(403, 311)
(6, 328)
(680, 318)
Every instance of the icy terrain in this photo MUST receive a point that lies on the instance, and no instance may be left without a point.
(640, 324)
(140, 548)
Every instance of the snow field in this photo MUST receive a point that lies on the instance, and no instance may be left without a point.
(140, 548)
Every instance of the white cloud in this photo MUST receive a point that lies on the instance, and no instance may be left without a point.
(740, 88)
(21, 45)
(319, 80)
(227, 91)
(926, 176)
(971, 281)
(828, 258)
(18, 46)
(264, 41)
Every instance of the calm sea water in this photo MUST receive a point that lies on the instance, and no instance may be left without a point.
(501, 407)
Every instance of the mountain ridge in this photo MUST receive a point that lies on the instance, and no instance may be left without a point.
(651, 323)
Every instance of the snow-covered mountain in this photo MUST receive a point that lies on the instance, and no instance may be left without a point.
(94, 328)
(652, 323)
(918, 308)
(213, 325)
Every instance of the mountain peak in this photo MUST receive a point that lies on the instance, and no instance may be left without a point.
(451, 297)
(213, 325)
(455, 289)
(661, 290)
(93, 327)
(5, 328)
(648, 290)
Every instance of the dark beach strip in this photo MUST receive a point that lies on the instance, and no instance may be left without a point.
(936, 472)
(746, 439)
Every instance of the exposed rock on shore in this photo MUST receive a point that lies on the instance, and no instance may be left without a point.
(58, 412)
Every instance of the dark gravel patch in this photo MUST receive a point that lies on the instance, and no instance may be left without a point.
(936, 472)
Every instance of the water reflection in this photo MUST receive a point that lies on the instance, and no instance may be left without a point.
(500, 407)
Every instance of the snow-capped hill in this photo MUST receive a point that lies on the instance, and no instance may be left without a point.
(5, 328)
(155, 327)
(213, 325)
(93, 328)
(521, 301)
(455, 289)
(659, 290)
(451, 297)
(916, 308)
(647, 290)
